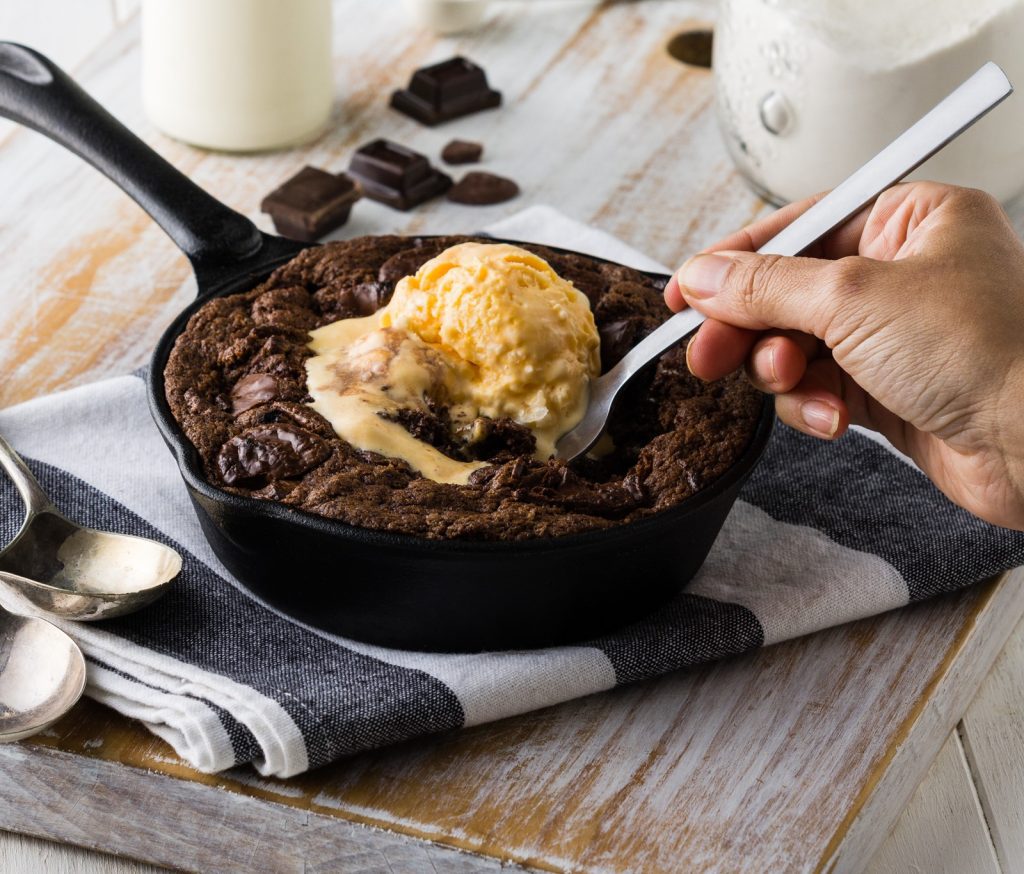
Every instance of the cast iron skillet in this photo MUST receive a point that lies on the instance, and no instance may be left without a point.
(393, 590)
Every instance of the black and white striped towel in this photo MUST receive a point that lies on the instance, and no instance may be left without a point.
(823, 534)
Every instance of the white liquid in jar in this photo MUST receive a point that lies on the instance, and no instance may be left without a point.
(238, 75)
(808, 90)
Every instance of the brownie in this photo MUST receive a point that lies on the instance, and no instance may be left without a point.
(235, 381)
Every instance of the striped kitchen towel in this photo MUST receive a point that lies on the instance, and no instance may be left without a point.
(823, 533)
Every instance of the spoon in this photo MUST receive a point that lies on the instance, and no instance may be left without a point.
(42, 675)
(76, 572)
(946, 121)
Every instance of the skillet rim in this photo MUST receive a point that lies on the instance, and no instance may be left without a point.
(190, 467)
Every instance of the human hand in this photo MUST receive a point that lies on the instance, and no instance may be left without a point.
(908, 320)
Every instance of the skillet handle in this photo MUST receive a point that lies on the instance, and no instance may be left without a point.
(38, 94)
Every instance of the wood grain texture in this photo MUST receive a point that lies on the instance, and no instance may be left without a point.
(942, 831)
(799, 757)
(20, 854)
(992, 731)
(193, 827)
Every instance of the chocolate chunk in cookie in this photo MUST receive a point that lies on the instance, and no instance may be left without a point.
(251, 391)
(270, 452)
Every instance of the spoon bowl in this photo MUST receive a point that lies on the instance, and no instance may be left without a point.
(42, 675)
(75, 572)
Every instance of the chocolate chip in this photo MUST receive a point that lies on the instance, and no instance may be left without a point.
(371, 296)
(251, 391)
(481, 189)
(462, 152)
(270, 452)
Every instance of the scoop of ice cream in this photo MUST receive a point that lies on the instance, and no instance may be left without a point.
(483, 329)
(522, 338)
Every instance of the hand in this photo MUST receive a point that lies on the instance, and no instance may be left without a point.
(908, 320)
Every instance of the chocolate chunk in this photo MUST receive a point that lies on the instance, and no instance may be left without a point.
(270, 452)
(461, 152)
(692, 47)
(251, 391)
(445, 91)
(310, 204)
(371, 296)
(395, 175)
(479, 189)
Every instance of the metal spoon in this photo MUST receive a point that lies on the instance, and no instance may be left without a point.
(42, 675)
(947, 120)
(75, 572)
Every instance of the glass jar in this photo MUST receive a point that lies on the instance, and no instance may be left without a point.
(808, 90)
(238, 75)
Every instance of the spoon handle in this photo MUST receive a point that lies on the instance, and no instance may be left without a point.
(36, 500)
(948, 119)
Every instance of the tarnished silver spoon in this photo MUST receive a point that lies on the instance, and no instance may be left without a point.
(76, 572)
(946, 121)
(42, 675)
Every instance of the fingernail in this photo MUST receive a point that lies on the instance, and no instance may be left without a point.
(773, 378)
(820, 417)
(702, 275)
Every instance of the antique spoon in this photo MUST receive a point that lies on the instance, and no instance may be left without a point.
(947, 120)
(76, 572)
(42, 675)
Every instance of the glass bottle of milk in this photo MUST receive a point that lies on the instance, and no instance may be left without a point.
(807, 90)
(238, 75)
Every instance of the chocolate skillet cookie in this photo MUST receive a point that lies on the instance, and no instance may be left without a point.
(236, 383)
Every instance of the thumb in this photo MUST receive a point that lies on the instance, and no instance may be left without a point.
(770, 291)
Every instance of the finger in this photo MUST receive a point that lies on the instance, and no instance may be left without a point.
(816, 406)
(718, 349)
(777, 363)
(673, 296)
(759, 292)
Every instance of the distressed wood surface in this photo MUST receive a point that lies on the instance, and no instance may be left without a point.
(21, 854)
(992, 732)
(170, 823)
(943, 829)
(799, 757)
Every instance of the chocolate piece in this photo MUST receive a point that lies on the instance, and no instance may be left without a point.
(461, 152)
(371, 296)
(395, 175)
(479, 189)
(270, 452)
(310, 204)
(251, 391)
(692, 47)
(445, 91)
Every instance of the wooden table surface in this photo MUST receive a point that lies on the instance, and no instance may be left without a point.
(798, 757)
